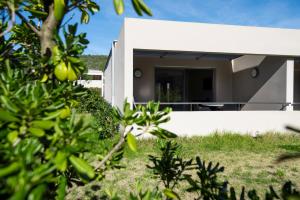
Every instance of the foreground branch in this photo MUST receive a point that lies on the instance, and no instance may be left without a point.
(48, 30)
(116, 148)
(33, 28)
(110, 154)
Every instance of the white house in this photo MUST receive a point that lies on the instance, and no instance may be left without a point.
(215, 77)
(92, 79)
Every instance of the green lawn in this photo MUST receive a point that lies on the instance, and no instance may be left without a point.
(248, 162)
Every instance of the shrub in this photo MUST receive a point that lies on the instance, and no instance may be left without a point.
(41, 135)
(206, 185)
(105, 122)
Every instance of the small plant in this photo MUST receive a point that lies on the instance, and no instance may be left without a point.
(139, 194)
(142, 194)
(280, 173)
(207, 186)
(169, 167)
(136, 122)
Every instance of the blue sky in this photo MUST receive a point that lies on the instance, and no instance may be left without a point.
(104, 26)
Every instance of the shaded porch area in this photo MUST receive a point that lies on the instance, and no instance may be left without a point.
(197, 81)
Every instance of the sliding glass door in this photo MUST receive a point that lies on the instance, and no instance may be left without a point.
(169, 85)
(184, 85)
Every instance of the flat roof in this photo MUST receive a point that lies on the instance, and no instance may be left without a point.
(162, 35)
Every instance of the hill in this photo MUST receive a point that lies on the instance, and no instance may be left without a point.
(95, 61)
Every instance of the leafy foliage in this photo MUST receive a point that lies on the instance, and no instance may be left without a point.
(42, 137)
(207, 186)
(139, 6)
(140, 194)
(169, 167)
(39, 137)
(171, 170)
(105, 122)
(137, 122)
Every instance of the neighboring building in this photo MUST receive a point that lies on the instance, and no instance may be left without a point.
(92, 79)
(215, 77)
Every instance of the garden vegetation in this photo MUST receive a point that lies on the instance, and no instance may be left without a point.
(45, 131)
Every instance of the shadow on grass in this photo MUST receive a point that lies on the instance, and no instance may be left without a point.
(290, 147)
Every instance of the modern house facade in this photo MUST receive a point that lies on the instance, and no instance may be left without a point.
(215, 77)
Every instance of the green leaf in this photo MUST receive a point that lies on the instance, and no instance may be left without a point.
(137, 7)
(162, 133)
(61, 189)
(49, 154)
(44, 78)
(119, 6)
(13, 167)
(8, 104)
(144, 7)
(74, 59)
(38, 192)
(45, 124)
(7, 116)
(85, 17)
(60, 161)
(131, 141)
(73, 29)
(59, 9)
(36, 132)
(95, 8)
(82, 166)
(52, 115)
(12, 136)
(36, 13)
(65, 112)
(171, 194)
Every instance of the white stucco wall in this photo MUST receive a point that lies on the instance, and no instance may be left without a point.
(206, 122)
(199, 37)
(107, 81)
(119, 78)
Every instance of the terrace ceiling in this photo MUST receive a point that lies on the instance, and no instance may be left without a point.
(185, 55)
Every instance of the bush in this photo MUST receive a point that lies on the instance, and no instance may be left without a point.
(105, 122)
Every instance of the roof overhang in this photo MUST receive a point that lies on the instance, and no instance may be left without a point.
(161, 35)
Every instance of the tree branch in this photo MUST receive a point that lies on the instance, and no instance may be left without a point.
(75, 5)
(110, 154)
(33, 28)
(68, 20)
(12, 19)
(116, 148)
(49, 29)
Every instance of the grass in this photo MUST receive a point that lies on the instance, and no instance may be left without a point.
(248, 162)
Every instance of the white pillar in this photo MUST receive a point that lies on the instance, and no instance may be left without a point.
(290, 84)
(113, 72)
(128, 64)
